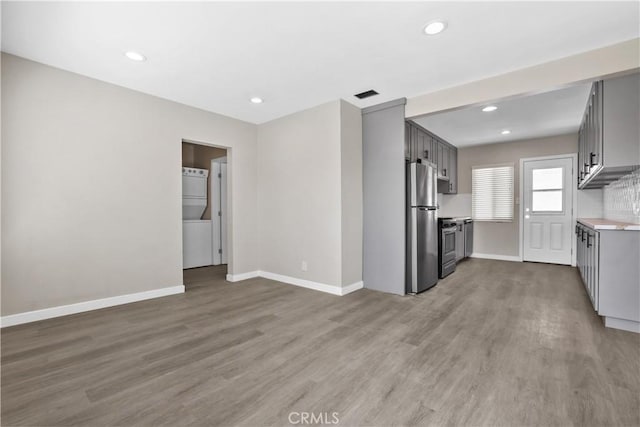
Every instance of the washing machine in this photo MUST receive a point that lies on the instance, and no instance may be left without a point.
(197, 237)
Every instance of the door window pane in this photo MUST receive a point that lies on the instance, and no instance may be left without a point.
(547, 179)
(547, 201)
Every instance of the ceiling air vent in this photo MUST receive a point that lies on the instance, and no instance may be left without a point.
(366, 94)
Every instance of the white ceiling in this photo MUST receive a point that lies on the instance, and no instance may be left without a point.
(552, 113)
(216, 56)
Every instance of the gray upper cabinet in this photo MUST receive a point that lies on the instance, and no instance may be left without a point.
(609, 136)
(407, 141)
(422, 145)
(453, 166)
(443, 161)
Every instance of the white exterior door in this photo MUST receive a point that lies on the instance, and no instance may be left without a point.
(547, 210)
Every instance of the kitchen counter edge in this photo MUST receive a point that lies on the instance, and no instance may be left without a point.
(607, 224)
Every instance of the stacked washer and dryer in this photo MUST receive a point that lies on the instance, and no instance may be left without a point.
(197, 242)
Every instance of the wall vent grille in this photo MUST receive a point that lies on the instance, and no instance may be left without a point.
(366, 94)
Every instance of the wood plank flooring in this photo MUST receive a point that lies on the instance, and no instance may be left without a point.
(497, 343)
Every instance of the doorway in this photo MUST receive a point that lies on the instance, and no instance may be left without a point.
(547, 208)
(204, 214)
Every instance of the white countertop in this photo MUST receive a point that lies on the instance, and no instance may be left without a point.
(608, 224)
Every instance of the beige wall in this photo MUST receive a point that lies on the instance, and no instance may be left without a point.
(85, 214)
(351, 197)
(309, 163)
(500, 238)
(299, 194)
(200, 156)
(587, 66)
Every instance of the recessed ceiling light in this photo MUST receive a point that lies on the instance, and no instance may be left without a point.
(489, 108)
(435, 27)
(135, 56)
(506, 132)
(257, 100)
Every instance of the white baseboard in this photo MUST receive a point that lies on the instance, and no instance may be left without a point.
(625, 325)
(65, 310)
(242, 276)
(496, 257)
(316, 286)
(330, 289)
(352, 288)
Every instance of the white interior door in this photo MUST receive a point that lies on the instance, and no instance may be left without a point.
(214, 197)
(547, 210)
(218, 199)
(223, 213)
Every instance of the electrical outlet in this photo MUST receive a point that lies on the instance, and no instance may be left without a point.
(304, 266)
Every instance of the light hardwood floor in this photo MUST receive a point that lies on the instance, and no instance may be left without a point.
(496, 343)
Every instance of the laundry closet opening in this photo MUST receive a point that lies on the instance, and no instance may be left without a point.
(204, 214)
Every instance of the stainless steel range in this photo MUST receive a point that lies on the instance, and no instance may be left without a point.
(446, 246)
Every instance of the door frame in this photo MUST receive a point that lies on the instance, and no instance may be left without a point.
(230, 197)
(574, 200)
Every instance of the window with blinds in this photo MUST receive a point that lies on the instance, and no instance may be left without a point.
(492, 193)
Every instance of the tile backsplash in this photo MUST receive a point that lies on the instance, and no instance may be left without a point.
(622, 199)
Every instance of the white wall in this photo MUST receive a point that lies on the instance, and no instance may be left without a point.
(309, 188)
(351, 198)
(590, 203)
(299, 194)
(86, 212)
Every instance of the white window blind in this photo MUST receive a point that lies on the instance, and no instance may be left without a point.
(492, 193)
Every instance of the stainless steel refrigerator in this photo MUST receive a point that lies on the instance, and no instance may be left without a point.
(422, 227)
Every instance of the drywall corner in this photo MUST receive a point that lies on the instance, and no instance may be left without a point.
(351, 192)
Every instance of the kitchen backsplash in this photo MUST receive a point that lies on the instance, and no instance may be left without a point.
(622, 199)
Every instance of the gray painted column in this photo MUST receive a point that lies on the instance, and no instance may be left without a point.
(384, 197)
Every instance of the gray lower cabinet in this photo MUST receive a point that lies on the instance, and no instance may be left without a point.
(608, 261)
(460, 237)
(468, 239)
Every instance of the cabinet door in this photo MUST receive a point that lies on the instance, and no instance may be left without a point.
(594, 129)
(414, 143)
(423, 152)
(595, 250)
(453, 166)
(433, 149)
(407, 141)
(588, 150)
(427, 154)
(597, 149)
(580, 143)
(418, 144)
(578, 251)
(587, 251)
(443, 160)
(581, 246)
